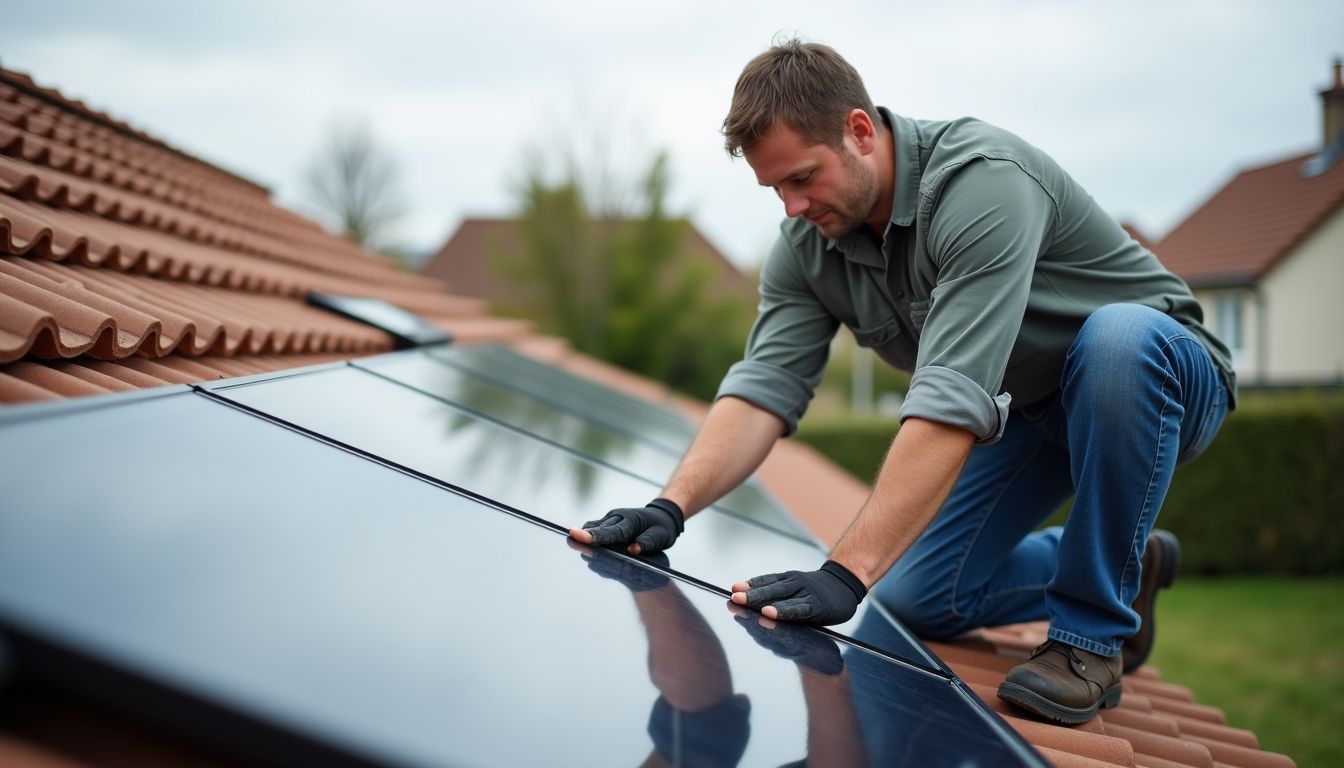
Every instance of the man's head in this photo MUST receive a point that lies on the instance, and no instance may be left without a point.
(805, 86)
(804, 122)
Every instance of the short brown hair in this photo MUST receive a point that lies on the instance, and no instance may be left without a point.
(806, 86)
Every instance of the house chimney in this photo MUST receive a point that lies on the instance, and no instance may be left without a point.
(1332, 108)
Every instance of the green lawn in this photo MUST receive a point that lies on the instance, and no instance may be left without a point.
(1267, 651)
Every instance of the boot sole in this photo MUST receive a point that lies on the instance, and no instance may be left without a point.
(1039, 705)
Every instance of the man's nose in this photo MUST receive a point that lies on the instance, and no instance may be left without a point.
(794, 203)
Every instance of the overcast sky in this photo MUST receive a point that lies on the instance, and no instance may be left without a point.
(1151, 105)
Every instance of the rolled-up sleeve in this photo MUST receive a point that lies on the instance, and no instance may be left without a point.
(991, 222)
(945, 396)
(788, 345)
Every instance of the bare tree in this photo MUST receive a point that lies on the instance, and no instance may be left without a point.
(358, 183)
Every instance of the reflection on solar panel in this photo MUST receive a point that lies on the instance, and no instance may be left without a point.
(334, 565)
(571, 393)
(586, 435)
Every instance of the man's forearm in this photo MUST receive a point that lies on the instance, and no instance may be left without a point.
(734, 440)
(916, 477)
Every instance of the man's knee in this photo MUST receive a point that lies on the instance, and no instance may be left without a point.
(1116, 347)
(1116, 332)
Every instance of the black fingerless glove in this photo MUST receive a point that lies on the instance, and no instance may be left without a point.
(830, 595)
(653, 527)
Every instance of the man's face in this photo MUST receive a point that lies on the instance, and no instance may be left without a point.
(834, 190)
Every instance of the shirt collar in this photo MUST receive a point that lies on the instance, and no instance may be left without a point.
(905, 188)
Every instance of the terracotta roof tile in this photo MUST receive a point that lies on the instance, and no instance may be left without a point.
(57, 311)
(16, 388)
(1250, 224)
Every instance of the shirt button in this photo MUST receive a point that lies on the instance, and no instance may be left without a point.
(900, 294)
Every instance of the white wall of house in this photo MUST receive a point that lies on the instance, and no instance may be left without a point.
(1304, 308)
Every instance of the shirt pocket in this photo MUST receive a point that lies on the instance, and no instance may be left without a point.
(919, 312)
(876, 334)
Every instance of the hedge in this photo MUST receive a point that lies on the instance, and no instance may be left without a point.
(1267, 496)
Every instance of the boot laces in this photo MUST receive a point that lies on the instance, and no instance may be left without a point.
(1075, 661)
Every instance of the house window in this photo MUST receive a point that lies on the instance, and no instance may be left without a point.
(1230, 323)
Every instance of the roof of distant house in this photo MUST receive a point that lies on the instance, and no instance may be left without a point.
(466, 262)
(1253, 222)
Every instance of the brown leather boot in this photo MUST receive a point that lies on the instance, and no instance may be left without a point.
(1161, 559)
(1063, 683)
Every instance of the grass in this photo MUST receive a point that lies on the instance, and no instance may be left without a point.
(1267, 651)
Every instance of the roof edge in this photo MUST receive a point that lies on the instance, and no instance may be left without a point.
(1237, 173)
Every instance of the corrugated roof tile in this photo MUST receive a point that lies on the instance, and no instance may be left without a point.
(58, 311)
(109, 380)
(66, 381)
(15, 388)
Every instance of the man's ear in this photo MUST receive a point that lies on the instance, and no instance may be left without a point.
(860, 126)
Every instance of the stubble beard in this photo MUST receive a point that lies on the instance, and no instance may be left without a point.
(856, 200)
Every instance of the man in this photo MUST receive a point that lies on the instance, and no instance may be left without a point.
(1051, 355)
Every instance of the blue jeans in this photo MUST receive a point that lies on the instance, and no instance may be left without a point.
(1138, 396)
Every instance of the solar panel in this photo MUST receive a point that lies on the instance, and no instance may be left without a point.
(366, 611)
(432, 438)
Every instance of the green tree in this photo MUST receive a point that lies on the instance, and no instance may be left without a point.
(617, 285)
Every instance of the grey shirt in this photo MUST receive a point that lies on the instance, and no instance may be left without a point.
(991, 262)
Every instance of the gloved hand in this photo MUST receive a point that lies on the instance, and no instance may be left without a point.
(652, 528)
(801, 646)
(830, 595)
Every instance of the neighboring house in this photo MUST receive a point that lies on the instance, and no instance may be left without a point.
(472, 261)
(246, 531)
(1265, 257)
